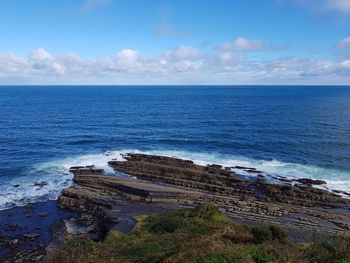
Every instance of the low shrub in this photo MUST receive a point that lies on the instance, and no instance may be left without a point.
(222, 257)
(200, 220)
(268, 233)
(260, 256)
(198, 235)
(335, 250)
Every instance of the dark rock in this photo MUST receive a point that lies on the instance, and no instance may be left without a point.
(29, 206)
(29, 215)
(14, 242)
(308, 181)
(341, 192)
(31, 236)
(43, 214)
(40, 184)
(243, 167)
(13, 227)
(16, 185)
(76, 167)
(254, 171)
(216, 166)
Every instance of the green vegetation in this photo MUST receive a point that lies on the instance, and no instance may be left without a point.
(200, 235)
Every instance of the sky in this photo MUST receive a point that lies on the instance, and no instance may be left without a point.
(145, 42)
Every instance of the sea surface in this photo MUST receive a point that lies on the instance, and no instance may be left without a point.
(288, 131)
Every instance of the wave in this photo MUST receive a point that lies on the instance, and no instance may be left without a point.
(21, 190)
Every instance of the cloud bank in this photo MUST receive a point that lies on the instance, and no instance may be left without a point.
(228, 63)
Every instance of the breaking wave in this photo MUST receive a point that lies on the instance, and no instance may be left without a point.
(55, 174)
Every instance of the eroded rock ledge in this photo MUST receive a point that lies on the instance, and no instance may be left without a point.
(164, 183)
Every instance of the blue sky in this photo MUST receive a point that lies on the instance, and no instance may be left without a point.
(175, 42)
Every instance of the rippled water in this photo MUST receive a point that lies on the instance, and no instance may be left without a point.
(291, 131)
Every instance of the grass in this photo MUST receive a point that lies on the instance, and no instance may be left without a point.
(200, 235)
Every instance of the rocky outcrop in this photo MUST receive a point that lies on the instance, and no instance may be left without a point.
(165, 183)
(308, 181)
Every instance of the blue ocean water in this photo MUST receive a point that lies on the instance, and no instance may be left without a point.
(289, 131)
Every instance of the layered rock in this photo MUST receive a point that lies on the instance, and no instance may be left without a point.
(165, 183)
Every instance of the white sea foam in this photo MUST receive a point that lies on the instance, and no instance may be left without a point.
(56, 173)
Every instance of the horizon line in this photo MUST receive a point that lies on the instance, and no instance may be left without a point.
(174, 85)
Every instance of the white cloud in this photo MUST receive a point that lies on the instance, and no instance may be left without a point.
(182, 52)
(42, 62)
(181, 65)
(127, 55)
(58, 68)
(244, 44)
(41, 54)
(90, 5)
(10, 64)
(226, 57)
(344, 43)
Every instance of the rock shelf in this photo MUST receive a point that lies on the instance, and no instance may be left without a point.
(164, 183)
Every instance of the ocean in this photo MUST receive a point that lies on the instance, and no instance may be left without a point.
(280, 130)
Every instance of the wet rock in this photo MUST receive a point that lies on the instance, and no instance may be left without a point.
(40, 184)
(76, 167)
(308, 181)
(14, 242)
(29, 215)
(242, 167)
(31, 236)
(43, 214)
(252, 170)
(341, 192)
(29, 206)
(86, 170)
(14, 227)
(283, 179)
(215, 166)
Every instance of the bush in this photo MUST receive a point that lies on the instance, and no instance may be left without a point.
(277, 233)
(167, 226)
(200, 220)
(259, 256)
(208, 212)
(238, 237)
(335, 250)
(263, 234)
(222, 257)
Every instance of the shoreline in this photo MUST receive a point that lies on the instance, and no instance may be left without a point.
(55, 173)
(97, 204)
(181, 183)
(26, 231)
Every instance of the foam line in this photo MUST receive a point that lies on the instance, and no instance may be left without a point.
(56, 173)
